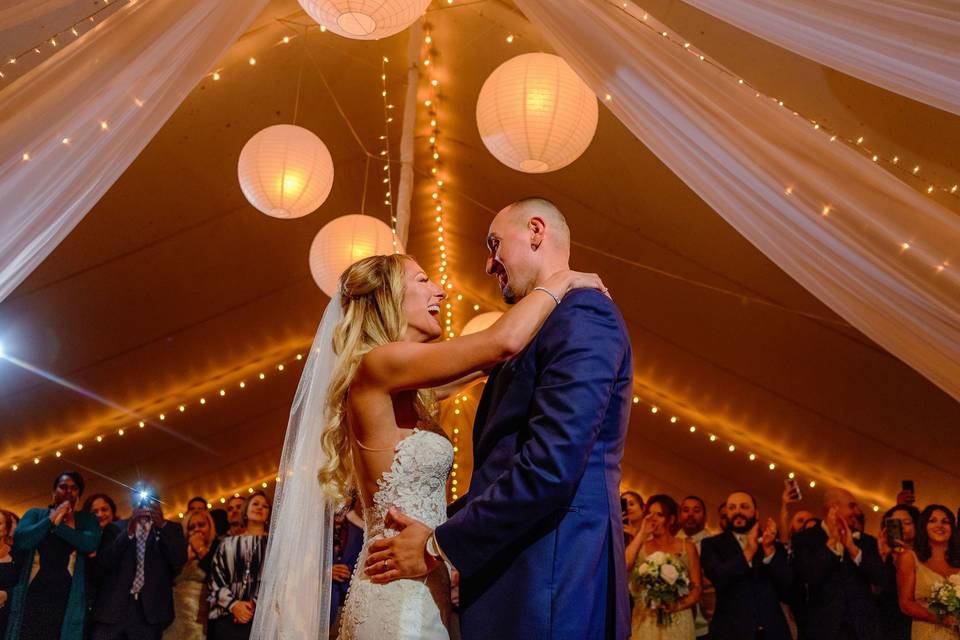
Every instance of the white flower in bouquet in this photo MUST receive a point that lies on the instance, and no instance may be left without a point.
(945, 596)
(660, 581)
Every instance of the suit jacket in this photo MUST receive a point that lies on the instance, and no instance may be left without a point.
(748, 594)
(837, 590)
(165, 555)
(537, 539)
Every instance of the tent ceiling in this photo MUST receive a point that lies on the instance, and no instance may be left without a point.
(174, 287)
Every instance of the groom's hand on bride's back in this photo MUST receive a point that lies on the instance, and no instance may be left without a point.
(402, 556)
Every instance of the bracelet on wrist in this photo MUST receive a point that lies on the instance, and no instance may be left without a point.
(555, 297)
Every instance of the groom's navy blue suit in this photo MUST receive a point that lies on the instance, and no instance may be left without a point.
(538, 539)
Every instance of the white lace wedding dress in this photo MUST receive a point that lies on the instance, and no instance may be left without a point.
(404, 609)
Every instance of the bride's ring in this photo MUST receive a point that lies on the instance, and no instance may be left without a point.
(386, 564)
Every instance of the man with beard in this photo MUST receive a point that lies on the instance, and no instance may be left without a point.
(693, 521)
(750, 572)
(839, 565)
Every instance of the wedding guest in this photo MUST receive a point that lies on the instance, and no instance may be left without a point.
(8, 568)
(751, 573)
(693, 527)
(139, 559)
(50, 602)
(839, 566)
(235, 575)
(934, 558)
(894, 624)
(103, 508)
(235, 515)
(655, 535)
(632, 514)
(189, 587)
(347, 543)
(197, 504)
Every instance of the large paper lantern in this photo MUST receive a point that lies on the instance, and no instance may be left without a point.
(343, 241)
(285, 171)
(480, 322)
(535, 114)
(365, 19)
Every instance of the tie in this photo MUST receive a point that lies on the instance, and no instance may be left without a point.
(141, 550)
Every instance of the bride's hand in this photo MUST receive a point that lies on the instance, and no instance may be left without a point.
(563, 282)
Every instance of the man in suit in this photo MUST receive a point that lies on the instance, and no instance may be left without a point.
(537, 539)
(751, 575)
(139, 558)
(839, 565)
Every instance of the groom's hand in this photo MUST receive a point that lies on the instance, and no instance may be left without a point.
(404, 555)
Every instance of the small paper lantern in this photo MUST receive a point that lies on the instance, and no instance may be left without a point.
(480, 322)
(365, 19)
(285, 171)
(343, 241)
(535, 114)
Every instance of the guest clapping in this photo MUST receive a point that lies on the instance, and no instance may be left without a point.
(51, 602)
(839, 566)
(139, 559)
(236, 571)
(8, 568)
(934, 558)
(751, 573)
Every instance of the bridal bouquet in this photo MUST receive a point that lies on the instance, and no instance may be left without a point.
(662, 580)
(945, 596)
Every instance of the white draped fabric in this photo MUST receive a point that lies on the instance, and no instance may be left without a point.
(72, 125)
(880, 254)
(911, 47)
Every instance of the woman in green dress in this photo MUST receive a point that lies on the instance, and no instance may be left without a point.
(49, 600)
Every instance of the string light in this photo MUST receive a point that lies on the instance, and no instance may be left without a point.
(385, 152)
(181, 406)
(262, 481)
(857, 143)
(732, 448)
(54, 41)
(437, 189)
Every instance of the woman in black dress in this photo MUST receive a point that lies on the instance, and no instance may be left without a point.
(235, 574)
(8, 568)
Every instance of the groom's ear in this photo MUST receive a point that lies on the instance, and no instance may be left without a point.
(537, 229)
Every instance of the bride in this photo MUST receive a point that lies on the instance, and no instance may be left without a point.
(362, 422)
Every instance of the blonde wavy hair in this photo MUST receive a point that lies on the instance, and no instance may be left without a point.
(371, 293)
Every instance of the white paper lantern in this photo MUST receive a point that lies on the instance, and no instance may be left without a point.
(365, 19)
(480, 322)
(343, 241)
(285, 171)
(535, 114)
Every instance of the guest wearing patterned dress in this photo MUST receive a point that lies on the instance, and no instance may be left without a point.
(235, 574)
(190, 586)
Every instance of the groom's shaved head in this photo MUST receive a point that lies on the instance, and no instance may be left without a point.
(523, 210)
(528, 241)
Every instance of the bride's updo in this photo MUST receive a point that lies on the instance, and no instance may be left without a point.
(371, 294)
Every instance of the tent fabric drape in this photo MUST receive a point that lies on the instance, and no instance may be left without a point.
(72, 125)
(880, 254)
(910, 47)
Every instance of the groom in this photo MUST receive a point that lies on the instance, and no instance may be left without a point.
(537, 539)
